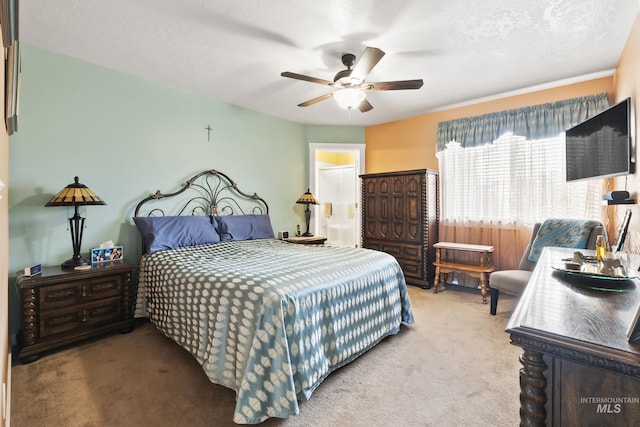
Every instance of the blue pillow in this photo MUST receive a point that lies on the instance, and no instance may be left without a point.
(244, 227)
(168, 232)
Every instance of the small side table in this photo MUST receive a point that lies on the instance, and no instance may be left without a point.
(446, 263)
(313, 240)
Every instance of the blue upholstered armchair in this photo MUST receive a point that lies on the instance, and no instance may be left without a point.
(513, 282)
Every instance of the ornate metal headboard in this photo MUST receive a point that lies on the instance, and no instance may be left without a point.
(207, 193)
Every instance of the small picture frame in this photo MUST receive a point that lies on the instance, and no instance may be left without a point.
(100, 255)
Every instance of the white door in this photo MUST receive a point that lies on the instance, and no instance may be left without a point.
(337, 213)
(334, 171)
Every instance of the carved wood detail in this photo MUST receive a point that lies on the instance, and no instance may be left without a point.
(532, 389)
(603, 361)
(29, 316)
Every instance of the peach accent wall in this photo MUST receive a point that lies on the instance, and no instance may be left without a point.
(627, 84)
(410, 143)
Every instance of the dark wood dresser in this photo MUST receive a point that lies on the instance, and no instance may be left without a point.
(578, 367)
(400, 212)
(60, 307)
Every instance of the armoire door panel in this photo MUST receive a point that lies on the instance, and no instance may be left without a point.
(413, 209)
(383, 209)
(414, 185)
(398, 186)
(398, 230)
(398, 206)
(371, 208)
(383, 187)
(370, 188)
(383, 230)
(369, 230)
(414, 232)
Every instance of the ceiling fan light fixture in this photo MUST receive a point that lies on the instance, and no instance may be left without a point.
(349, 97)
(350, 89)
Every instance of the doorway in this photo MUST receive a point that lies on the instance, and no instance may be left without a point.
(334, 171)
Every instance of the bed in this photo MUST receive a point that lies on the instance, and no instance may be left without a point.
(266, 318)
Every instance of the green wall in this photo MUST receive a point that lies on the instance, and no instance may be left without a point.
(125, 138)
(327, 134)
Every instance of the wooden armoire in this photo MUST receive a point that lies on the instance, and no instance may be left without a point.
(400, 212)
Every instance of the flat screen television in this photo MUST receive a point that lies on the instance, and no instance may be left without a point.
(601, 146)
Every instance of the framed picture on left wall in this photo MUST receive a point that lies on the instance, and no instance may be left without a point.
(9, 21)
(12, 86)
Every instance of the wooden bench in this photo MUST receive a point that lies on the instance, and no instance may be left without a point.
(446, 263)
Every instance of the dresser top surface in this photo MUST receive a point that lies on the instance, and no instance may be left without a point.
(572, 310)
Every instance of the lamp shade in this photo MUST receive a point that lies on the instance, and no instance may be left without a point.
(75, 194)
(307, 199)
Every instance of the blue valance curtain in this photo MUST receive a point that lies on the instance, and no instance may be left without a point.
(534, 122)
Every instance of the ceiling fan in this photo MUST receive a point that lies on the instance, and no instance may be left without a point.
(351, 88)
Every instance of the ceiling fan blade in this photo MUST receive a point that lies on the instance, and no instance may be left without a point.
(370, 57)
(396, 85)
(365, 106)
(316, 100)
(306, 78)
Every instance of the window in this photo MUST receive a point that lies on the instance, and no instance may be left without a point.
(502, 172)
(513, 179)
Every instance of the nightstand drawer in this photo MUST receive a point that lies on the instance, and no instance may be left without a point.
(68, 319)
(68, 294)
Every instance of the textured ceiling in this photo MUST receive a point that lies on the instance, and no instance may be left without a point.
(234, 51)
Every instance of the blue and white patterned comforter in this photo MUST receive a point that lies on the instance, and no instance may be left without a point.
(271, 319)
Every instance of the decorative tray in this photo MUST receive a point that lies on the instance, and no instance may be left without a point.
(588, 276)
(591, 271)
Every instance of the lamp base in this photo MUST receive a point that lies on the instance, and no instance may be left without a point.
(307, 234)
(72, 263)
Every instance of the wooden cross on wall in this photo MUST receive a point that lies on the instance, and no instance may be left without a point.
(209, 129)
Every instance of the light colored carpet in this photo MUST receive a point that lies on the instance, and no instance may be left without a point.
(454, 367)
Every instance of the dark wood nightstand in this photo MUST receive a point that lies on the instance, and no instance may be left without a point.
(60, 307)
